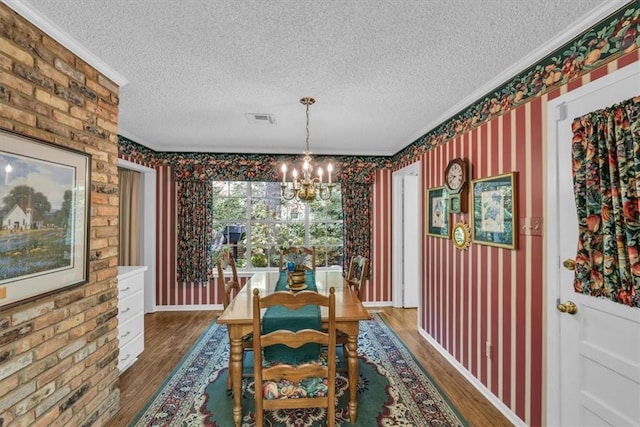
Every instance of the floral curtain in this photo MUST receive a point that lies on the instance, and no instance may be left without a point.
(194, 230)
(606, 176)
(357, 202)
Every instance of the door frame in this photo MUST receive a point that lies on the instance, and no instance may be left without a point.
(552, 260)
(148, 220)
(397, 235)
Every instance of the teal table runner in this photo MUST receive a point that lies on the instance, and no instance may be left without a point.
(279, 317)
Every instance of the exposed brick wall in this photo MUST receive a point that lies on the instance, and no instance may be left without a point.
(58, 354)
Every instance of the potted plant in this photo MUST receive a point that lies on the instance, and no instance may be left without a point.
(258, 258)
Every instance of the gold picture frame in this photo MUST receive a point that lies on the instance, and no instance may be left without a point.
(461, 235)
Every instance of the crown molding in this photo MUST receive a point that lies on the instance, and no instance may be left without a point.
(56, 33)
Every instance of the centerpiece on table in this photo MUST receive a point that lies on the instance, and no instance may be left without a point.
(296, 267)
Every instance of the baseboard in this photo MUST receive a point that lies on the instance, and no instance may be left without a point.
(506, 411)
(199, 307)
(377, 304)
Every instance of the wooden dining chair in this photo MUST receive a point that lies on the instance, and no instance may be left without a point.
(281, 385)
(311, 253)
(229, 289)
(357, 275)
(356, 278)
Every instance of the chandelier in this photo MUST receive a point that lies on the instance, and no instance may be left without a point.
(305, 187)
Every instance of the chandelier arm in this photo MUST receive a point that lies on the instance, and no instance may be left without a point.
(323, 191)
(293, 194)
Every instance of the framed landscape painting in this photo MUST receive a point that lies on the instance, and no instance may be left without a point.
(494, 218)
(44, 218)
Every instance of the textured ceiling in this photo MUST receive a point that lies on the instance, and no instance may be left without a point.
(383, 72)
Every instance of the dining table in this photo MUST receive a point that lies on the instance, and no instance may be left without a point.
(238, 317)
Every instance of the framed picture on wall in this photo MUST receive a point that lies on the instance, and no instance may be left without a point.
(437, 212)
(494, 218)
(44, 217)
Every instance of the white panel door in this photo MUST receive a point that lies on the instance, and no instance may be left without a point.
(411, 247)
(597, 349)
(406, 243)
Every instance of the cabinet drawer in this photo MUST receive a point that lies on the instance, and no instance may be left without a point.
(130, 329)
(130, 306)
(129, 352)
(130, 285)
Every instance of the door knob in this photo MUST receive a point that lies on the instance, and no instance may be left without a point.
(569, 264)
(568, 307)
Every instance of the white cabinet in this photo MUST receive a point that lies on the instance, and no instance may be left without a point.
(130, 314)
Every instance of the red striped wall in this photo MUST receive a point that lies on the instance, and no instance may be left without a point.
(379, 286)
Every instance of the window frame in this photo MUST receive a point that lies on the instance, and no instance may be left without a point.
(249, 223)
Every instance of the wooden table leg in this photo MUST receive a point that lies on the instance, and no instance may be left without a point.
(235, 340)
(352, 366)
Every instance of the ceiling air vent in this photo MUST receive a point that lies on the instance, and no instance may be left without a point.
(260, 118)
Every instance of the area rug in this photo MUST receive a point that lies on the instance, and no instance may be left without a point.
(393, 389)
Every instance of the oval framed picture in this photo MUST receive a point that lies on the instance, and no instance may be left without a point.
(461, 235)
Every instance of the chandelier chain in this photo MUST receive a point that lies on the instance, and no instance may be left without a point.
(307, 151)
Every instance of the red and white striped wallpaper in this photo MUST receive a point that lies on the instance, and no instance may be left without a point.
(379, 285)
(486, 294)
(469, 298)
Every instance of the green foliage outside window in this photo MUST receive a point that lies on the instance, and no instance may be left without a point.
(255, 214)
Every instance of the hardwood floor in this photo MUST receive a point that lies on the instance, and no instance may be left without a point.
(472, 405)
(169, 335)
(167, 338)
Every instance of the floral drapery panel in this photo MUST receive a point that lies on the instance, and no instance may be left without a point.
(606, 176)
(357, 202)
(194, 230)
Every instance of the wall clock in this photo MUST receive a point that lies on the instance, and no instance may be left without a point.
(461, 235)
(456, 181)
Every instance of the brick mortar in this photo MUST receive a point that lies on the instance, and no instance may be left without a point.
(47, 93)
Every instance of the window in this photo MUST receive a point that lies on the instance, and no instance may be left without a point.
(253, 221)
